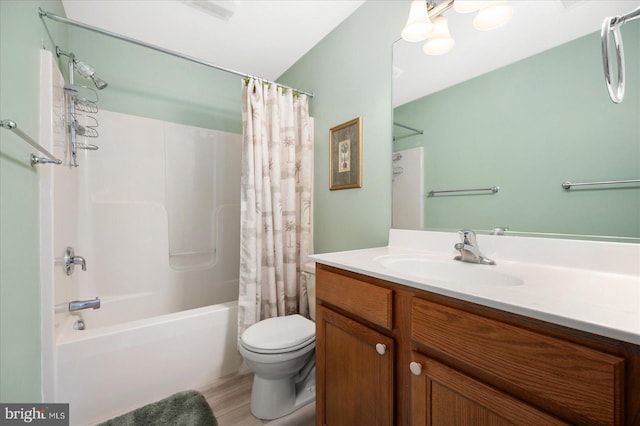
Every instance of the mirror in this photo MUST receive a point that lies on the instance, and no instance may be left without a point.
(522, 108)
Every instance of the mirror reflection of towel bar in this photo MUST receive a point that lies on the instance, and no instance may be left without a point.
(404, 126)
(493, 190)
(567, 185)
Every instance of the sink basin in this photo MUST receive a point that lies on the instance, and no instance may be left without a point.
(447, 271)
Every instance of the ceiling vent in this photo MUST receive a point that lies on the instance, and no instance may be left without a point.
(223, 9)
(571, 3)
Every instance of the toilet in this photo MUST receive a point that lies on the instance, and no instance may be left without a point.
(281, 353)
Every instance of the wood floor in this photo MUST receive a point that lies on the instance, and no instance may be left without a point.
(230, 398)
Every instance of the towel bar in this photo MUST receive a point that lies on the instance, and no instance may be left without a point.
(493, 190)
(50, 158)
(567, 185)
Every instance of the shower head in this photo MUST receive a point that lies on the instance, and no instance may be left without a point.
(82, 68)
(88, 72)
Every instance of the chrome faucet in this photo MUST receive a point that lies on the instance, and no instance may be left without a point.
(468, 248)
(78, 305)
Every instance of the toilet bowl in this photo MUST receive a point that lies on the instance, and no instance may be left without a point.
(281, 353)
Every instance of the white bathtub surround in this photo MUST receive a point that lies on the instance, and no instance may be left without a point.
(151, 337)
(168, 316)
(275, 202)
(132, 213)
(52, 210)
(591, 286)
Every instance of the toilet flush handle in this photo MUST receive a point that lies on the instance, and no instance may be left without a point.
(381, 348)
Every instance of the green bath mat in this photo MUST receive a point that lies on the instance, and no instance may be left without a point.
(187, 408)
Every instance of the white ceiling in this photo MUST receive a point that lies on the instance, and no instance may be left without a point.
(262, 38)
(536, 26)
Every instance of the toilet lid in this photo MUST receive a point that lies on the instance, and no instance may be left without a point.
(279, 334)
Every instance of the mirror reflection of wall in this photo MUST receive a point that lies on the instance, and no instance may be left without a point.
(408, 189)
(527, 127)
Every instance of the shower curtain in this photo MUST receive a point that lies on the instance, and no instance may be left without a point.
(276, 210)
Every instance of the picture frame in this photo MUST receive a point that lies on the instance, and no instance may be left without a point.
(345, 155)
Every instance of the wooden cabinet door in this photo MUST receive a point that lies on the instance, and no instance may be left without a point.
(576, 382)
(354, 372)
(443, 396)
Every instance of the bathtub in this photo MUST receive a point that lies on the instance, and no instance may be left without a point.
(162, 253)
(106, 371)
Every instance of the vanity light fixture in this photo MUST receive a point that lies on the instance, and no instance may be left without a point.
(418, 24)
(426, 22)
(439, 41)
(468, 6)
(495, 14)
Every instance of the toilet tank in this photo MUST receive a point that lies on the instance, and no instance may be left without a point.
(309, 275)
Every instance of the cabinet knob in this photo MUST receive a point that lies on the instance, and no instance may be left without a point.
(415, 368)
(381, 348)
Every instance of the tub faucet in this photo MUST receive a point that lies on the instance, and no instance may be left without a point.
(78, 305)
(468, 248)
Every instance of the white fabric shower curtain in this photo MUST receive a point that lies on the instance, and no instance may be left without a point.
(276, 197)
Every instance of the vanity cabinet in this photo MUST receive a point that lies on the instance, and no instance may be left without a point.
(356, 366)
(447, 361)
(442, 395)
(572, 380)
(354, 361)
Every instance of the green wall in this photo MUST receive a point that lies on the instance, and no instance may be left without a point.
(349, 72)
(152, 84)
(527, 128)
(22, 35)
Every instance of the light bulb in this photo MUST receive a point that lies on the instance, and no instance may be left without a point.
(493, 15)
(439, 41)
(418, 25)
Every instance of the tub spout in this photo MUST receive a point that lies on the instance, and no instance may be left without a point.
(78, 305)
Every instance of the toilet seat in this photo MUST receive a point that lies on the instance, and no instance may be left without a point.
(279, 335)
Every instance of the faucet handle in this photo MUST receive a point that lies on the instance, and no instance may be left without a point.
(467, 236)
(70, 260)
(501, 230)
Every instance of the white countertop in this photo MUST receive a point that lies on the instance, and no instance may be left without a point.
(586, 285)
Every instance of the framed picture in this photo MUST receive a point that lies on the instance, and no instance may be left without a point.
(345, 155)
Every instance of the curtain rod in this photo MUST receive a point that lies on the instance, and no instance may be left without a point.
(64, 20)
